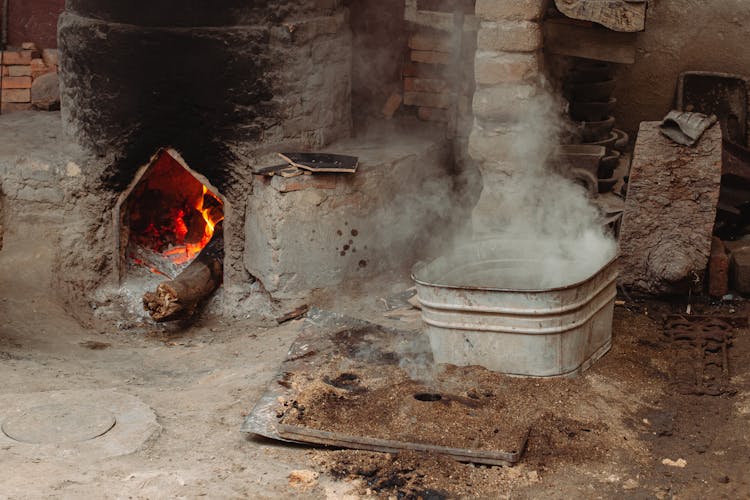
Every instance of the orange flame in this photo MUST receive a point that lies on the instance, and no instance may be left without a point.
(185, 253)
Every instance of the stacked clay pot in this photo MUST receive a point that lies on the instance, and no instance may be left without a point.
(589, 86)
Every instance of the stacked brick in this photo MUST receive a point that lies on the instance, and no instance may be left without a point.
(437, 80)
(18, 71)
(506, 69)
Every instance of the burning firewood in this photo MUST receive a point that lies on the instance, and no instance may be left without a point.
(180, 297)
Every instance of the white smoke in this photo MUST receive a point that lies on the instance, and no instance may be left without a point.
(540, 217)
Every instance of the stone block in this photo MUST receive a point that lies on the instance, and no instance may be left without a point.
(16, 82)
(16, 95)
(668, 221)
(51, 57)
(374, 221)
(503, 103)
(428, 99)
(495, 146)
(740, 268)
(45, 92)
(431, 57)
(16, 57)
(515, 10)
(492, 68)
(392, 104)
(17, 70)
(509, 36)
(718, 269)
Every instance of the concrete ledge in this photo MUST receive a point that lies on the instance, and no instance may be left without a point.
(317, 231)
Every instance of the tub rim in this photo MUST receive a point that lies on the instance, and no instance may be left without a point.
(419, 266)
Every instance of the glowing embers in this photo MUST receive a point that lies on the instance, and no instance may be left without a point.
(169, 216)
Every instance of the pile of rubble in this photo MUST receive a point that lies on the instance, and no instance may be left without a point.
(29, 79)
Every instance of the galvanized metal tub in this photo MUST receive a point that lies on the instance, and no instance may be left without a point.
(531, 332)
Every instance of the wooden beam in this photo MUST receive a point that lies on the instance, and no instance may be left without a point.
(571, 38)
(617, 15)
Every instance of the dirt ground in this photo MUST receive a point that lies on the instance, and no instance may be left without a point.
(203, 381)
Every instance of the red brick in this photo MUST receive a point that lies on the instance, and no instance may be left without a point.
(419, 70)
(16, 95)
(39, 68)
(11, 107)
(718, 269)
(24, 70)
(431, 57)
(16, 82)
(425, 85)
(4, 70)
(11, 57)
(392, 104)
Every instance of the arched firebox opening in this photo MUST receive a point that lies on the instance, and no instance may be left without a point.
(167, 216)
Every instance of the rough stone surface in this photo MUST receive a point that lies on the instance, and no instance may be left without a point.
(503, 103)
(492, 68)
(669, 213)
(509, 36)
(516, 10)
(377, 220)
(45, 92)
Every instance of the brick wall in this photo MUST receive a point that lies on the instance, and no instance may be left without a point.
(18, 71)
(437, 79)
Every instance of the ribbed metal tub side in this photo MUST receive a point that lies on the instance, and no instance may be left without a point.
(553, 332)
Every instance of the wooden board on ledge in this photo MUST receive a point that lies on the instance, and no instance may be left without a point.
(322, 162)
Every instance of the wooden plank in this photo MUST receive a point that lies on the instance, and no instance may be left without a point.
(315, 436)
(566, 38)
(322, 162)
(617, 15)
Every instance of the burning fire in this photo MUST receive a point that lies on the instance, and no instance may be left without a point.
(188, 251)
(170, 213)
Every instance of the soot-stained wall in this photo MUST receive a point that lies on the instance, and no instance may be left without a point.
(214, 81)
(681, 35)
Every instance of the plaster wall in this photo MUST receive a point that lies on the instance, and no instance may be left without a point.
(681, 35)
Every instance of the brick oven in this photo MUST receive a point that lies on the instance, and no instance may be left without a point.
(228, 86)
(431, 96)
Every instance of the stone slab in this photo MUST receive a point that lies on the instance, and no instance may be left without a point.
(135, 424)
(670, 210)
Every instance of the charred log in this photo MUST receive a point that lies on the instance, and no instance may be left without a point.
(179, 298)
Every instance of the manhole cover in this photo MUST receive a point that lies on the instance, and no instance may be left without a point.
(58, 423)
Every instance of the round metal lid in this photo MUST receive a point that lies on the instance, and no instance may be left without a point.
(58, 423)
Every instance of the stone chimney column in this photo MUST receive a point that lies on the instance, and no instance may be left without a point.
(507, 65)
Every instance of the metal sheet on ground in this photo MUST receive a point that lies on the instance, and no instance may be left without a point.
(324, 338)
